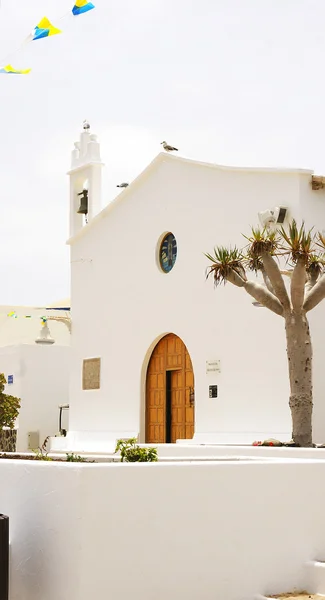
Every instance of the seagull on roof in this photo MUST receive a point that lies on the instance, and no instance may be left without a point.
(168, 148)
(123, 185)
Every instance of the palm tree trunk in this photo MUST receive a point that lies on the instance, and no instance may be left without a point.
(8, 440)
(299, 351)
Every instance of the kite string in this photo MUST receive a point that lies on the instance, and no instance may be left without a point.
(27, 40)
(7, 58)
(67, 14)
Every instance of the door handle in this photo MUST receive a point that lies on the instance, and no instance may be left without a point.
(192, 396)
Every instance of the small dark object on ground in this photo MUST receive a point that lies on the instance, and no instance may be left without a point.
(276, 443)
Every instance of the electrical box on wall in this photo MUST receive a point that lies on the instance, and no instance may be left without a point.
(33, 440)
(213, 391)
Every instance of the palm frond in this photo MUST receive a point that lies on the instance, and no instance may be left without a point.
(320, 241)
(260, 241)
(224, 261)
(253, 262)
(298, 242)
(315, 264)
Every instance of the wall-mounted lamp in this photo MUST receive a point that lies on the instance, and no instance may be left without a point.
(271, 217)
(45, 334)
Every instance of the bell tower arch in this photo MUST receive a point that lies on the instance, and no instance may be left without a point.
(85, 180)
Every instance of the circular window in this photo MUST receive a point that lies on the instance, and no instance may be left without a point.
(168, 252)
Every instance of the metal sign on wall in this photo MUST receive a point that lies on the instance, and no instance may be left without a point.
(213, 366)
(10, 379)
(91, 374)
(213, 391)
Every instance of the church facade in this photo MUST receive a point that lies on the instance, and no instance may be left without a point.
(157, 351)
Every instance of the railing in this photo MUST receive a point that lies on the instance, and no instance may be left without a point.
(62, 431)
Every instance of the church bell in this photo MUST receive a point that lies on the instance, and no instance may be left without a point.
(83, 208)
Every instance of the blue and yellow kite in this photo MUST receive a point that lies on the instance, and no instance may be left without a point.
(9, 70)
(82, 6)
(44, 29)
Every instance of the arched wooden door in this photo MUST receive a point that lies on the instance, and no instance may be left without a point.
(169, 392)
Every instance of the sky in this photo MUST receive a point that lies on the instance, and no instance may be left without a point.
(234, 82)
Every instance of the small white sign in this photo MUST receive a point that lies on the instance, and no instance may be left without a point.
(213, 366)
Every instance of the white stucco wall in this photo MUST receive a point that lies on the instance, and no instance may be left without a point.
(212, 530)
(41, 380)
(122, 303)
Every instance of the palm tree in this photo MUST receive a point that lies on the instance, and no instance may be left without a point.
(304, 253)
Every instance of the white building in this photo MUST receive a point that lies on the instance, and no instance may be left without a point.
(36, 372)
(39, 376)
(150, 335)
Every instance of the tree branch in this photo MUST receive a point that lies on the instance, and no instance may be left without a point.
(316, 295)
(264, 296)
(313, 278)
(234, 278)
(259, 292)
(297, 287)
(273, 272)
(267, 282)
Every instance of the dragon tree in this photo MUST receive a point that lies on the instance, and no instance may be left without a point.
(265, 253)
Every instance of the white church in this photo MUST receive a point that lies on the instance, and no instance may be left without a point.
(157, 351)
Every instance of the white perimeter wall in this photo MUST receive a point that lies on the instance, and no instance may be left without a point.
(41, 380)
(209, 531)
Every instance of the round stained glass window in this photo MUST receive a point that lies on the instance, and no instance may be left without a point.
(168, 252)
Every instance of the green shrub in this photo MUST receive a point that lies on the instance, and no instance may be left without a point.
(75, 458)
(9, 406)
(131, 452)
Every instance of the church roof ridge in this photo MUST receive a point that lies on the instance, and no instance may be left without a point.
(164, 157)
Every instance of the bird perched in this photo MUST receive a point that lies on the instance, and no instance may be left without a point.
(86, 125)
(123, 185)
(169, 148)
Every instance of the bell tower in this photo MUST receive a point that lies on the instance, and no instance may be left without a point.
(85, 180)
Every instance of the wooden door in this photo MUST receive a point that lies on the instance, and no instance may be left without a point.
(170, 355)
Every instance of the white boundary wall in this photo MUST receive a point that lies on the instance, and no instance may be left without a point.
(190, 531)
(106, 447)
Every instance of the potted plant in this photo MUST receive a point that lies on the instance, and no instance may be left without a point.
(9, 410)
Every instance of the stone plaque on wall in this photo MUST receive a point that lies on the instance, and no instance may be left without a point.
(91, 374)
